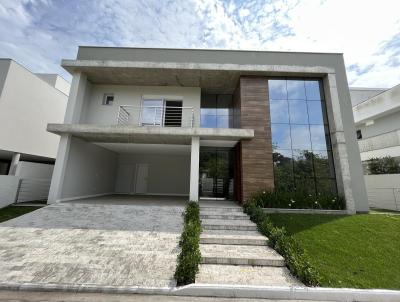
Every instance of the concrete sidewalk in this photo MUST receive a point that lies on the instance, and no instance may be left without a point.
(16, 296)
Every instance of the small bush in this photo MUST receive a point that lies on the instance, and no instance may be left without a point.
(189, 257)
(284, 244)
(298, 200)
(384, 165)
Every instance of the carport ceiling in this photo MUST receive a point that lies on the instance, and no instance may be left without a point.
(146, 148)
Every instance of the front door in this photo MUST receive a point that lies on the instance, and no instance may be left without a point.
(142, 173)
(216, 173)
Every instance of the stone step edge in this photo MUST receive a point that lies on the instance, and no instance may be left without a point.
(234, 241)
(227, 217)
(229, 227)
(242, 261)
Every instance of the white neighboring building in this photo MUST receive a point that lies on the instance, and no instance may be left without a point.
(28, 102)
(377, 121)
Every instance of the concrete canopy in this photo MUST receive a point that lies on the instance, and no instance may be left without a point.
(215, 71)
(147, 135)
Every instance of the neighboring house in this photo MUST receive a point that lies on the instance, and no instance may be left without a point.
(28, 102)
(206, 124)
(377, 121)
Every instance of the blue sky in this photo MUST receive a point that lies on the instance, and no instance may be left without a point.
(39, 33)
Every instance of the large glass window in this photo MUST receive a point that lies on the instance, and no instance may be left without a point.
(216, 111)
(302, 152)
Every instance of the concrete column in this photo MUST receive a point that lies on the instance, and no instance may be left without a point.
(194, 169)
(76, 99)
(339, 148)
(57, 180)
(14, 163)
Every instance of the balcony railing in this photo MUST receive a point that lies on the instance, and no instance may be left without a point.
(158, 116)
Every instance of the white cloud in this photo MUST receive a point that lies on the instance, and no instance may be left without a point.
(40, 33)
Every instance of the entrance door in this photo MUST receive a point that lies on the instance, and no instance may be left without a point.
(142, 173)
(216, 173)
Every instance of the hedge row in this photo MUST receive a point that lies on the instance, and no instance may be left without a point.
(284, 244)
(189, 257)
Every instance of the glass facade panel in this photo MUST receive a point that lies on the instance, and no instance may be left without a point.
(281, 136)
(277, 90)
(313, 91)
(296, 90)
(300, 137)
(279, 111)
(216, 111)
(316, 113)
(301, 145)
(298, 112)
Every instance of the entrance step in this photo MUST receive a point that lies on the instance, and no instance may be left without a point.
(221, 209)
(245, 275)
(253, 238)
(223, 215)
(218, 203)
(219, 224)
(240, 255)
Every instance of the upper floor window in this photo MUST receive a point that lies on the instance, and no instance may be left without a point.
(161, 112)
(359, 134)
(108, 99)
(216, 111)
(302, 150)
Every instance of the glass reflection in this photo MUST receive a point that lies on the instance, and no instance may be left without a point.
(279, 111)
(300, 137)
(318, 137)
(313, 92)
(316, 112)
(302, 153)
(296, 90)
(298, 112)
(281, 136)
(277, 90)
(216, 111)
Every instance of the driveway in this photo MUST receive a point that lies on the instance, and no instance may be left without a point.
(116, 240)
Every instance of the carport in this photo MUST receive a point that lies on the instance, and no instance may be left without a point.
(105, 160)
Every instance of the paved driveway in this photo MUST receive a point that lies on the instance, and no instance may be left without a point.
(116, 241)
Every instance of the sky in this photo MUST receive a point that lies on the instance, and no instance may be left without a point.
(39, 33)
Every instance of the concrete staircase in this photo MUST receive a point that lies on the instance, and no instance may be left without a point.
(234, 252)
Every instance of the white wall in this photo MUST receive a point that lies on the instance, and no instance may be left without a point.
(96, 113)
(383, 191)
(56, 81)
(34, 170)
(27, 105)
(168, 174)
(8, 189)
(90, 170)
(359, 95)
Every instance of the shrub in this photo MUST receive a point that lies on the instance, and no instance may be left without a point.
(189, 257)
(295, 257)
(298, 200)
(384, 165)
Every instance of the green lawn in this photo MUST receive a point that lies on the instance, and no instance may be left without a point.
(10, 212)
(361, 251)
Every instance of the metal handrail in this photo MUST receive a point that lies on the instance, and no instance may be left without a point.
(161, 116)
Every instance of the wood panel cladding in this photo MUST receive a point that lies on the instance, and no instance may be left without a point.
(251, 100)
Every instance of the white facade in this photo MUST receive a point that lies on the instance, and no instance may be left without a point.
(27, 103)
(377, 120)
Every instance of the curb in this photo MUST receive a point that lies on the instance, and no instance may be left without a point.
(223, 291)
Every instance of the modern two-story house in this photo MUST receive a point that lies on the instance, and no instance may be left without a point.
(206, 124)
